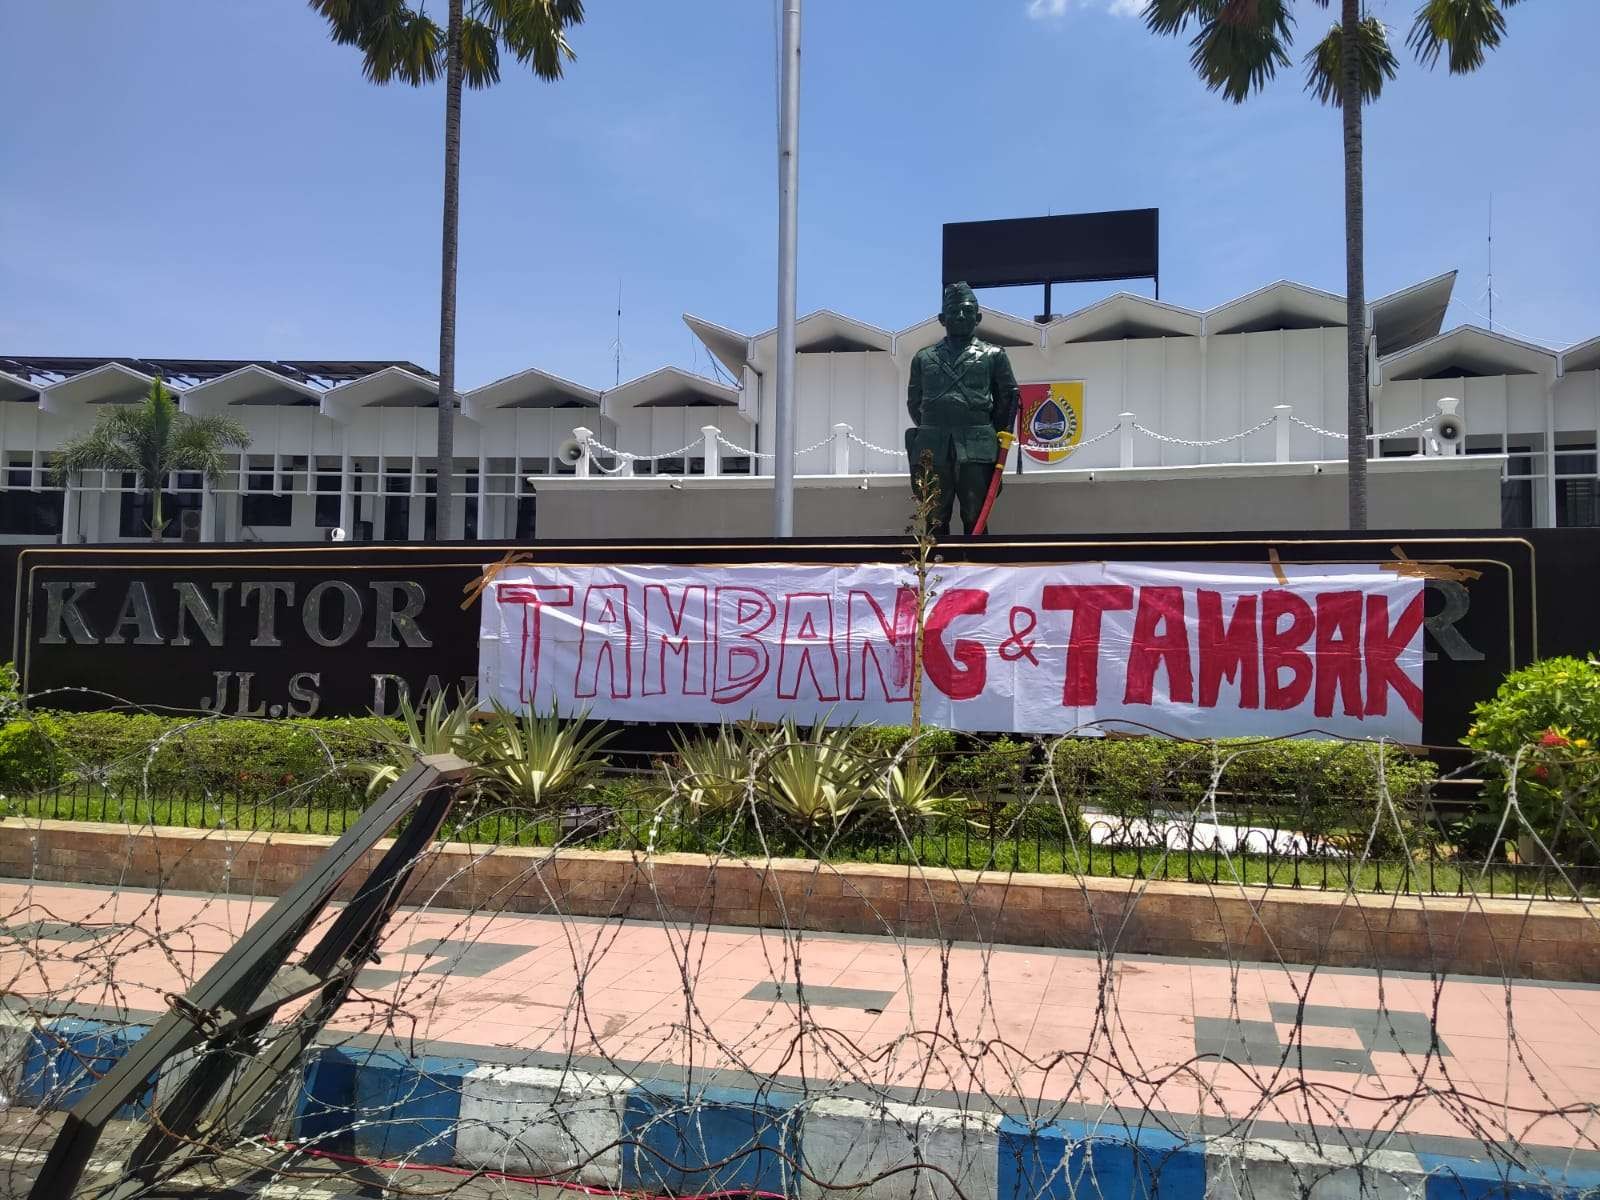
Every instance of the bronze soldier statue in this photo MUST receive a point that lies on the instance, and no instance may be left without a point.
(962, 395)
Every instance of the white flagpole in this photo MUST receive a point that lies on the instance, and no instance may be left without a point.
(788, 217)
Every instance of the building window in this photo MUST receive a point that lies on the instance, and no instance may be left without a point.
(396, 508)
(737, 465)
(184, 498)
(329, 488)
(1576, 496)
(1516, 489)
(469, 510)
(258, 506)
(527, 512)
(23, 511)
(135, 513)
(430, 507)
(133, 516)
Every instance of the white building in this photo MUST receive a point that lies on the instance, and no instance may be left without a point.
(1251, 390)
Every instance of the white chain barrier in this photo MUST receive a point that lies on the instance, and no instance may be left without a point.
(1076, 446)
(1344, 437)
(876, 449)
(626, 457)
(597, 446)
(1202, 442)
(738, 449)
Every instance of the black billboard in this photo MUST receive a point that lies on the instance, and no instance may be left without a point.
(1074, 248)
(335, 630)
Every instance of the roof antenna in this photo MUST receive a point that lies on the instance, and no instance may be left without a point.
(1491, 262)
(616, 345)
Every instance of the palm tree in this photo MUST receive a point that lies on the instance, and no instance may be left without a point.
(152, 439)
(398, 42)
(1239, 47)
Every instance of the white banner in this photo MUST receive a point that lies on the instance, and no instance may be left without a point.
(1189, 649)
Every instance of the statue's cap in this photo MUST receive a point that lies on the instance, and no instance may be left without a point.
(955, 293)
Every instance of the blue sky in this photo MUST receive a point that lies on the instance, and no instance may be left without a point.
(188, 177)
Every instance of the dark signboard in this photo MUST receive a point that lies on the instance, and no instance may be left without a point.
(331, 630)
(1074, 248)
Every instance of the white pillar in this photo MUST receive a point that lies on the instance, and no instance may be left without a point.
(69, 512)
(1125, 438)
(712, 454)
(583, 435)
(1549, 452)
(485, 525)
(841, 449)
(347, 499)
(1281, 428)
(208, 510)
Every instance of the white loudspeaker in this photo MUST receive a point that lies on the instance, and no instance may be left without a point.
(337, 535)
(189, 525)
(1450, 428)
(569, 452)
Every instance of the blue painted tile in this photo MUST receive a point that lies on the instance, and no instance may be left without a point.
(1068, 1160)
(408, 1108)
(1455, 1178)
(324, 1109)
(721, 1139)
(68, 1056)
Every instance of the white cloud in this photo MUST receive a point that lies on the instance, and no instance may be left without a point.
(1051, 10)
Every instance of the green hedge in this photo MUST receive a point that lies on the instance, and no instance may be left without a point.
(182, 755)
(1328, 790)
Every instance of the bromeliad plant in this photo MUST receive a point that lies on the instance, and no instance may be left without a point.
(713, 775)
(533, 759)
(816, 780)
(910, 788)
(437, 728)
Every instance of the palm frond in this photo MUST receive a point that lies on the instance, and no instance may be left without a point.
(1467, 29)
(152, 439)
(1240, 49)
(1173, 16)
(348, 19)
(535, 31)
(1325, 63)
(98, 450)
(199, 443)
(400, 44)
(480, 54)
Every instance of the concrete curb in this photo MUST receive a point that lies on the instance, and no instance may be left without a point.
(610, 1131)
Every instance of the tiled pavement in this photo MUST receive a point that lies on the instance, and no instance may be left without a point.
(1017, 1028)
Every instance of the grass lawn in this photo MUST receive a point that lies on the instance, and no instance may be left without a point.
(964, 848)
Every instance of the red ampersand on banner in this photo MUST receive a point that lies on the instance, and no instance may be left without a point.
(1014, 648)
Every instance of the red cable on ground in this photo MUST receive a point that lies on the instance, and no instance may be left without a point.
(509, 1177)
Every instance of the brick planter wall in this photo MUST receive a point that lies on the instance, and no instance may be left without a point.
(1499, 938)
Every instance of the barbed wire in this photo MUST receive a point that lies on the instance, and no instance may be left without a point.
(581, 956)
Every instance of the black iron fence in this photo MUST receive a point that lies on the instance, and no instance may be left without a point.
(1423, 849)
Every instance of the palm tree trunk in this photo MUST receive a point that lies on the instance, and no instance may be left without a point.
(157, 524)
(1354, 267)
(444, 480)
